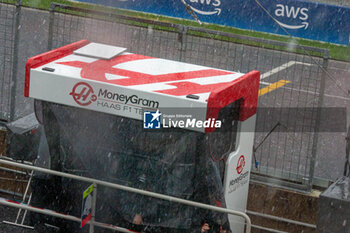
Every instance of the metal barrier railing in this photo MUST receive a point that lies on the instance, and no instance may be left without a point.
(27, 207)
(114, 186)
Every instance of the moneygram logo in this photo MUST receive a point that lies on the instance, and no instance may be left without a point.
(83, 94)
(240, 164)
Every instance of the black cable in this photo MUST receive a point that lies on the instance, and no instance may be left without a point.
(255, 148)
(347, 154)
(347, 168)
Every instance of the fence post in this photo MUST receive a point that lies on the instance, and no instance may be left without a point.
(93, 208)
(51, 22)
(182, 40)
(15, 61)
(318, 121)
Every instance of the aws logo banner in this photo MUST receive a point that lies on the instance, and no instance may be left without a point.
(304, 19)
(291, 16)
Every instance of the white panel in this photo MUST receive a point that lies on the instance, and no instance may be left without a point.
(214, 79)
(74, 57)
(100, 51)
(236, 181)
(156, 66)
(114, 76)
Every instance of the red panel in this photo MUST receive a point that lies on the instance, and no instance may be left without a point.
(48, 57)
(245, 87)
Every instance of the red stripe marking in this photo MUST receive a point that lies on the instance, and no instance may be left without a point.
(97, 71)
(77, 64)
(140, 78)
(186, 88)
(48, 57)
(58, 212)
(15, 202)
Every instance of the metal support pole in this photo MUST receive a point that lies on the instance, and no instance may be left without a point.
(25, 212)
(15, 61)
(182, 30)
(12, 170)
(24, 196)
(318, 121)
(280, 219)
(51, 23)
(23, 200)
(93, 208)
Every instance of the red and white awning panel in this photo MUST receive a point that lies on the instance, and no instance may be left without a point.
(79, 75)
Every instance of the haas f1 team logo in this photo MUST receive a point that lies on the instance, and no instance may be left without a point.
(83, 94)
(240, 164)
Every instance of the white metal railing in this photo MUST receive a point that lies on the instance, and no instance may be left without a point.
(16, 222)
(115, 186)
(20, 210)
(14, 204)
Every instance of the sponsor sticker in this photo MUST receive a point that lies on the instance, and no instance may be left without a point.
(83, 94)
(240, 164)
(86, 206)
